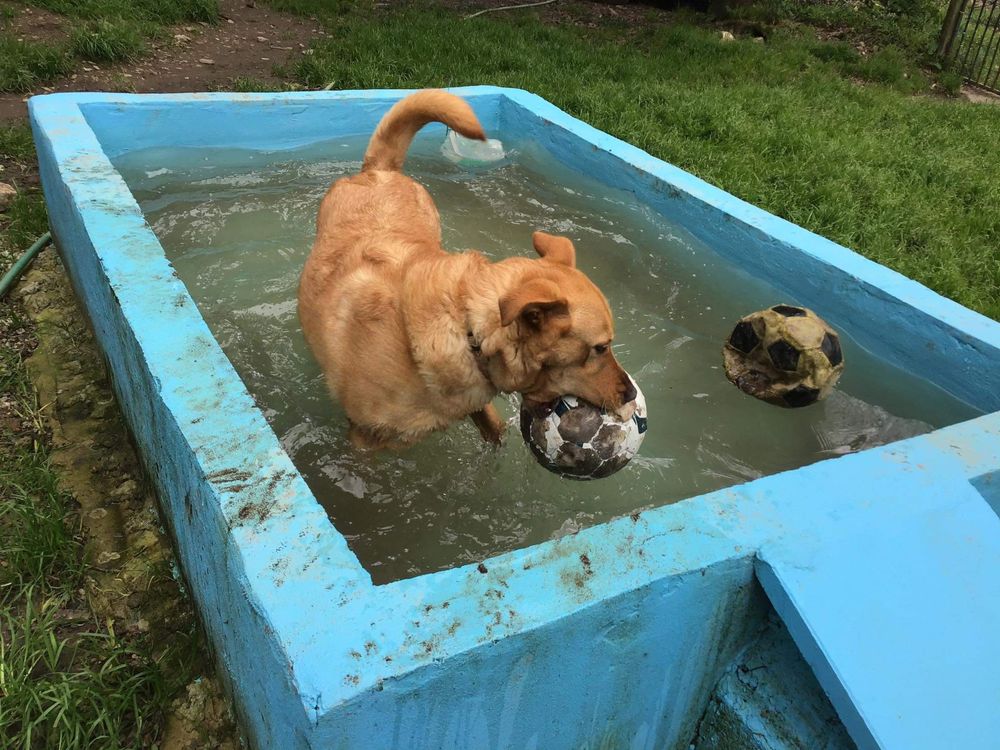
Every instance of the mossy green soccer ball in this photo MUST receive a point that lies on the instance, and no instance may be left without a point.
(577, 440)
(785, 355)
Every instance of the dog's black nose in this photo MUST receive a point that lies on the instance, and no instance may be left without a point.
(630, 392)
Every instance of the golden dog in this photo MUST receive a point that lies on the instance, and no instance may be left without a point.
(412, 338)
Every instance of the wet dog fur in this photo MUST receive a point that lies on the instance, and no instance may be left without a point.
(412, 338)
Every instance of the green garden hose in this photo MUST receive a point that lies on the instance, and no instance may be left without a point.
(9, 279)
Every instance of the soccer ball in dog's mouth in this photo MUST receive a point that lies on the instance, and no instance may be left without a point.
(577, 440)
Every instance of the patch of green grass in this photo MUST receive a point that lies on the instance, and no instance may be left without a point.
(163, 12)
(250, 85)
(39, 547)
(912, 25)
(68, 684)
(26, 65)
(105, 31)
(25, 219)
(906, 180)
(16, 142)
(107, 40)
(328, 9)
(950, 82)
(889, 66)
(66, 681)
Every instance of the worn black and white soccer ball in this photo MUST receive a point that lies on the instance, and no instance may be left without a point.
(578, 440)
(785, 355)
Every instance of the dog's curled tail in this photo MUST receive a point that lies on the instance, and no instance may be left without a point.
(392, 137)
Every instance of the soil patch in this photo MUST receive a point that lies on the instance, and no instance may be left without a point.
(249, 42)
(34, 24)
(132, 581)
(980, 96)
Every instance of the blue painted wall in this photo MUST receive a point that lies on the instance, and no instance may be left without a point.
(249, 121)
(884, 565)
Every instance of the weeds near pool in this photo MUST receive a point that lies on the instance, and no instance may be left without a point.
(38, 544)
(102, 31)
(251, 85)
(25, 219)
(25, 65)
(66, 681)
(107, 41)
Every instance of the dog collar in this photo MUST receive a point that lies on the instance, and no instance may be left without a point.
(476, 349)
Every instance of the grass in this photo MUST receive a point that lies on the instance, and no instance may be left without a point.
(162, 12)
(908, 25)
(806, 129)
(67, 681)
(64, 690)
(26, 218)
(102, 31)
(108, 41)
(26, 65)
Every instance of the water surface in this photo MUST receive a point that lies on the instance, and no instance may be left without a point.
(238, 225)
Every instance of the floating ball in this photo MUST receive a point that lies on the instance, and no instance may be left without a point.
(578, 440)
(785, 355)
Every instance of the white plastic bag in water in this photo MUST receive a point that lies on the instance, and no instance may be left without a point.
(468, 152)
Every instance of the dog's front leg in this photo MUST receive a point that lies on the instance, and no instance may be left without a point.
(367, 439)
(491, 427)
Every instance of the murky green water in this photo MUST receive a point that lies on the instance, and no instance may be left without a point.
(238, 225)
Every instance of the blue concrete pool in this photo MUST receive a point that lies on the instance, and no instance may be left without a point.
(884, 565)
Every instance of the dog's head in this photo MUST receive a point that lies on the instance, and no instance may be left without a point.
(563, 332)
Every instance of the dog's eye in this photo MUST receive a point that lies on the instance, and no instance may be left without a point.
(600, 348)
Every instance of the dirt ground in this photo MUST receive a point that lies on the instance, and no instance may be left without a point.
(132, 580)
(248, 42)
(980, 96)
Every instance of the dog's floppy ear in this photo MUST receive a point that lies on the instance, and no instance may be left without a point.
(533, 302)
(555, 248)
